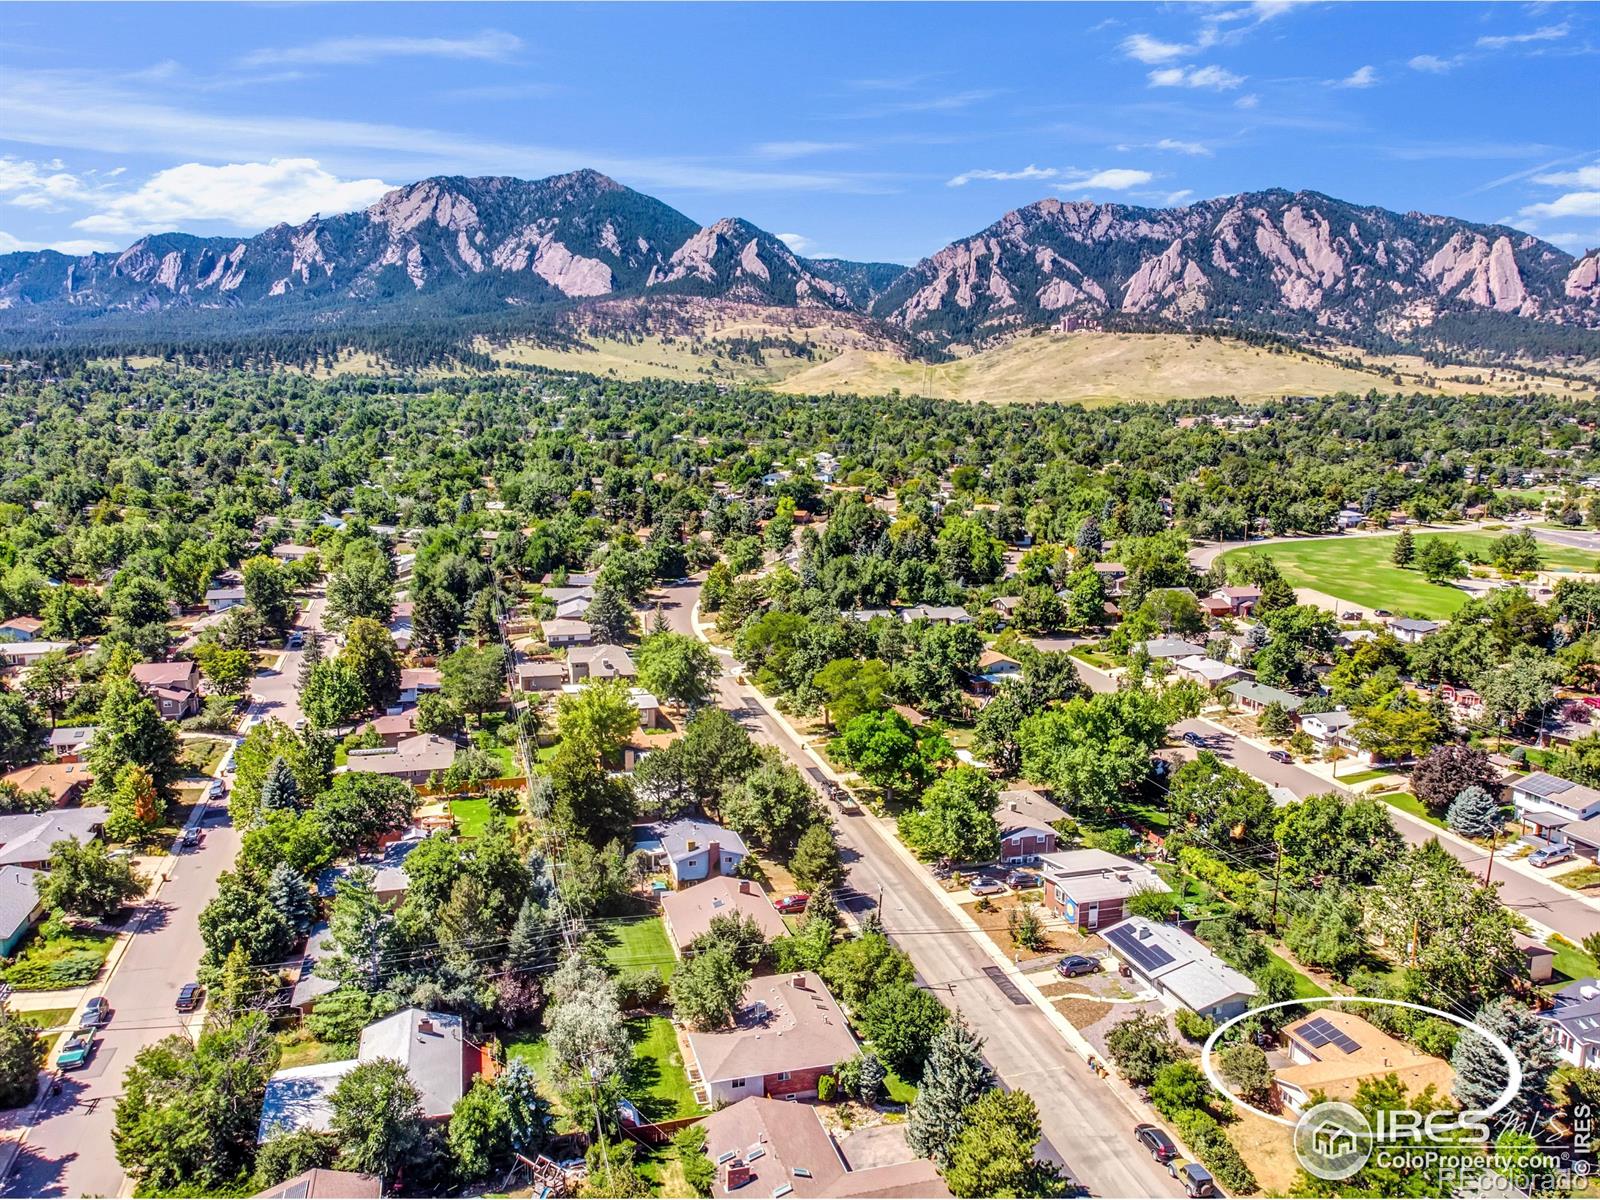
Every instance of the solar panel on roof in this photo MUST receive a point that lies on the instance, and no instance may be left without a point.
(1544, 785)
(303, 1188)
(1345, 1042)
(1314, 1033)
(1143, 954)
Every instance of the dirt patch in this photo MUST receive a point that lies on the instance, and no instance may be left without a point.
(1268, 1149)
(1059, 937)
(1084, 1014)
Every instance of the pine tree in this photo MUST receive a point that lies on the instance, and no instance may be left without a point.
(287, 892)
(1480, 1067)
(312, 656)
(1405, 549)
(279, 789)
(954, 1077)
(1474, 813)
(608, 615)
(872, 1077)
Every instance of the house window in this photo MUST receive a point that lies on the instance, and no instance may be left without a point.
(736, 1083)
(782, 1075)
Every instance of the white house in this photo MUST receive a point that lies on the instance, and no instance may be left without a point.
(1207, 672)
(1550, 800)
(1179, 968)
(1329, 728)
(1575, 1023)
(1410, 630)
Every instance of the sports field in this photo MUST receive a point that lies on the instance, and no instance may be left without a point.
(1360, 570)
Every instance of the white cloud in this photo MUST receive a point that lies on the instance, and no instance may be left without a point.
(1584, 177)
(1113, 179)
(1547, 33)
(1149, 50)
(43, 186)
(1213, 77)
(1247, 102)
(1361, 77)
(798, 149)
(1432, 64)
(1197, 149)
(1178, 197)
(1028, 172)
(9, 244)
(239, 195)
(491, 45)
(798, 242)
(1573, 204)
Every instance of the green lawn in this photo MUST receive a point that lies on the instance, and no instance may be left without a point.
(471, 815)
(50, 1018)
(1408, 804)
(898, 1090)
(1305, 987)
(1358, 569)
(1570, 963)
(630, 945)
(67, 960)
(1365, 776)
(656, 1083)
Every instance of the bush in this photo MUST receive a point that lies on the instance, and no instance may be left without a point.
(1117, 840)
(1140, 1046)
(643, 988)
(826, 1087)
(1211, 1145)
(1192, 1025)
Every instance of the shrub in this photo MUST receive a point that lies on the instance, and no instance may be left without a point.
(826, 1087)
(643, 988)
(1211, 1145)
(1192, 1025)
(1140, 1046)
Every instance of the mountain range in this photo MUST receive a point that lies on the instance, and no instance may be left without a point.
(1280, 261)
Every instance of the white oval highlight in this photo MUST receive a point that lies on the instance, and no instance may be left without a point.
(1513, 1082)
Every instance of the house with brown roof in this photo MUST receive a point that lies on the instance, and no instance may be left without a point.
(174, 686)
(1241, 601)
(393, 727)
(1332, 1053)
(65, 781)
(789, 1032)
(20, 629)
(541, 676)
(323, 1183)
(689, 913)
(567, 633)
(416, 680)
(412, 759)
(766, 1147)
(600, 662)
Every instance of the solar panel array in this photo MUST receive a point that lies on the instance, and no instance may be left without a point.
(1146, 955)
(1544, 785)
(1322, 1032)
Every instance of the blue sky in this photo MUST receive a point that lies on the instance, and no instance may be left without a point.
(868, 131)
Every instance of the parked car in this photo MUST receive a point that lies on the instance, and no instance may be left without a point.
(1077, 964)
(296, 640)
(97, 1011)
(1196, 1179)
(986, 887)
(1194, 739)
(190, 837)
(1162, 1148)
(1350, 616)
(793, 904)
(1549, 856)
(1382, 612)
(76, 1050)
(189, 997)
(1280, 756)
(300, 725)
(1022, 879)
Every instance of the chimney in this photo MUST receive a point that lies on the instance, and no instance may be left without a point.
(744, 887)
(693, 845)
(800, 982)
(425, 1025)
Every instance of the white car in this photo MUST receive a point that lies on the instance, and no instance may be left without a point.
(1549, 856)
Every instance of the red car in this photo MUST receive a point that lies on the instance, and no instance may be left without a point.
(795, 903)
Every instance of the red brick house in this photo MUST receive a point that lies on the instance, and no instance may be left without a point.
(1091, 887)
(788, 1034)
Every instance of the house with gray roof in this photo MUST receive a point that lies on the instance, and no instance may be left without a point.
(309, 986)
(26, 838)
(20, 906)
(690, 849)
(1172, 648)
(1180, 968)
(1574, 1022)
(1548, 801)
(1253, 697)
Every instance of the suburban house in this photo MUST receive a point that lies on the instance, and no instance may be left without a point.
(1023, 838)
(416, 680)
(389, 879)
(413, 759)
(542, 676)
(174, 686)
(26, 838)
(688, 913)
(431, 1046)
(224, 596)
(1207, 672)
(20, 906)
(1575, 1022)
(1179, 968)
(1172, 648)
(68, 743)
(1252, 697)
(566, 633)
(1410, 630)
(573, 608)
(865, 616)
(65, 781)
(767, 1147)
(308, 985)
(1332, 1052)
(1329, 729)
(582, 593)
(994, 669)
(324, 1183)
(690, 849)
(402, 624)
(20, 629)
(25, 654)
(936, 614)
(1241, 601)
(1548, 801)
(1029, 806)
(1113, 577)
(1463, 701)
(1091, 887)
(789, 1032)
(600, 662)
(1006, 606)
(394, 727)
(292, 552)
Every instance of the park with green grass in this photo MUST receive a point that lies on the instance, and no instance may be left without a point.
(1361, 570)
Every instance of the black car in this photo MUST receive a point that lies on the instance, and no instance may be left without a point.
(1162, 1148)
(1019, 880)
(97, 1011)
(1077, 964)
(1280, 756)
(189, 997)
(1194, 739)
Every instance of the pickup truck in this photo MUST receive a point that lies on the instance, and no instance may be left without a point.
(75, 1051)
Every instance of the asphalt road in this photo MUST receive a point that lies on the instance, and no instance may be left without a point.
(68, 1151)
(1085, 1127)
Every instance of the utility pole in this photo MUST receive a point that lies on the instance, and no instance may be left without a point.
(1277, 872)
